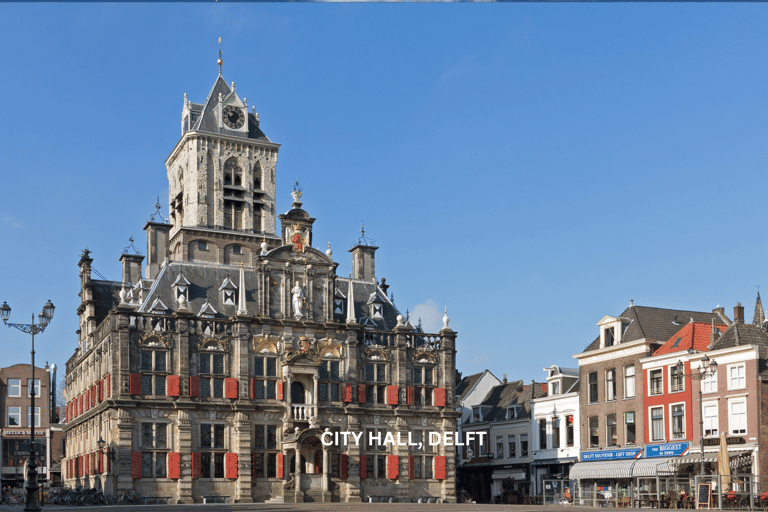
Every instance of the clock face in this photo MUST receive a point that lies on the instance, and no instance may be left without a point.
(233, 117)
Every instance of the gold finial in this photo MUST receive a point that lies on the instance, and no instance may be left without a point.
(220, 62)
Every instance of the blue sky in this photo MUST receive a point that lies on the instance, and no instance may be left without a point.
(531, 167)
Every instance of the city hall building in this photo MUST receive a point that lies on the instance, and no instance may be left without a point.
(214, 368)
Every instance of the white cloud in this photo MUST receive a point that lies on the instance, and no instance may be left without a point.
(431, 316)
(12, 222)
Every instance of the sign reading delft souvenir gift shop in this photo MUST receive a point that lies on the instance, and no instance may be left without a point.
(651, 451)
(633, 453)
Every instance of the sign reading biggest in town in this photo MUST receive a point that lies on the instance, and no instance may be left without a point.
(666, 450)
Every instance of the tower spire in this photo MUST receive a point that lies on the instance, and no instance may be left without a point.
(220, 62)
(759, 317)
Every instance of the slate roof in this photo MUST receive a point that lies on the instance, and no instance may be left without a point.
(106, 295)
(743, 334)
(206, 115)
(466, 384)
(694, 335)
(504, 395)
(656, 324)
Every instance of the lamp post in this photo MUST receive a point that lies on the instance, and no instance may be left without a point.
(707, 369)
(44, 318)
(110, 455)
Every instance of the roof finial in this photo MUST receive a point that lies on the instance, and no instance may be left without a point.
(296, 193)
(220, 62)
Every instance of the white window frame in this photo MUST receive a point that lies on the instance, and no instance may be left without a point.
(709, 383)
(650, 382)
(650, 423)
(15, 386)
(716, 423)
(741, 377)
(610, 394)
(511, 440)
(29, 387)
(672, 420)
(37, 417)
(626, 380)
(682, 380)
(733, 423)
(16, 413)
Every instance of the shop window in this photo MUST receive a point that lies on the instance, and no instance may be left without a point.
(523, 445)
(512, 446)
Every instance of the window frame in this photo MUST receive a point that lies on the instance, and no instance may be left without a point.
(265, 381)
(424, 391)
(656, 422)
(511, 446)
(268, 452)
(610, 385)
(157, 378)
(630, 378)
(37, 387)
(375, 390)
(741, 380)
(673, 418)
(674, 375)
(37, 418)
(593, 432)
(213, 454)
(655, 385)
(17, 386)
(630, 415)
(611, 430)
(10, 414)
(711, 405)
(709, 383)
(592, 388)
(743, 415)
(152, 451)
(328, 385)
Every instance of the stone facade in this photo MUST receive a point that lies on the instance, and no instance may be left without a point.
(217, 374)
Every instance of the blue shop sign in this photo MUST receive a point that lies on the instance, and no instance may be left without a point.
(633, 453)
(667, 450)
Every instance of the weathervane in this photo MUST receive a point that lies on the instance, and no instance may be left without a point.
(127, 250)
(157, 212)
(362, 240)
(220, 62)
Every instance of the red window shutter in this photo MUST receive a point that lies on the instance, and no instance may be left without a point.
(87, 399)
(253, 466)
(440, 397)
(440, 467)
(85, 464)
(80, 399)
(174, 385)
(363, 467)
(94, 457)
(100, 387)
(253, 389)
(135, 464)
(411, 467)
(101, 461)
(230, 389)
(279, 389)
(108, 385)
(196, 466)
(392, 395)
(318, 462)
(344, 470)
(361, 393)
(347, 394)
(393, 470)
(230, 465)
(174, 465)
(280, 466)
(194, 387)
(134, 384)
(93, 395)
(410, 392)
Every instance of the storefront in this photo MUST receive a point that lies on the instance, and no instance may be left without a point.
(15, 453)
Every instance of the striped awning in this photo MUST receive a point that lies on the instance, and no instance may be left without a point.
(738, 458)
(619, 469)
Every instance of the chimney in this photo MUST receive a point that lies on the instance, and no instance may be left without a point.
(505, 378)
(363, 262)
(131, 267)
(720, 312)
(738, 313)
(157, 247)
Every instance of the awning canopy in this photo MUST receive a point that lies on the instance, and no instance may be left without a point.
(546, 462)
(619, 469)
(738, 459)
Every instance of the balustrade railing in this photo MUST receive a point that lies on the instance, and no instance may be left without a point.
(303, 412)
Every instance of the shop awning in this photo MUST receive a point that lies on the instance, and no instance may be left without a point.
(546, 462)
(737, 458)
(610, 469)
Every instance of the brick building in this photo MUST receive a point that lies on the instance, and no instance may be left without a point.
(15, 386)
(216, 370)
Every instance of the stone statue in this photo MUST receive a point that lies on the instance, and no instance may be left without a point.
(298, 299)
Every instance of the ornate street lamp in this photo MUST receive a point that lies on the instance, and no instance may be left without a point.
(707, 369)
(43, 319)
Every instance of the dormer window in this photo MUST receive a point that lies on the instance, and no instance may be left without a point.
(610, 336)
(612, 330)
(477, 414)
(181, 287)
(228, 292)
(375, 306)
(554, 388)
(513, 412)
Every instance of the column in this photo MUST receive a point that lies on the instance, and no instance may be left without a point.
(325, 466)
(287, 393)
(316, 379)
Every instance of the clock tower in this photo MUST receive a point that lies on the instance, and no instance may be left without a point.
(221, 177)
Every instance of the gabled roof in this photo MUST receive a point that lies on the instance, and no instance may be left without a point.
(500, 397)
(655, 324)
(694, 335)
(740, 334)
(467, 383)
